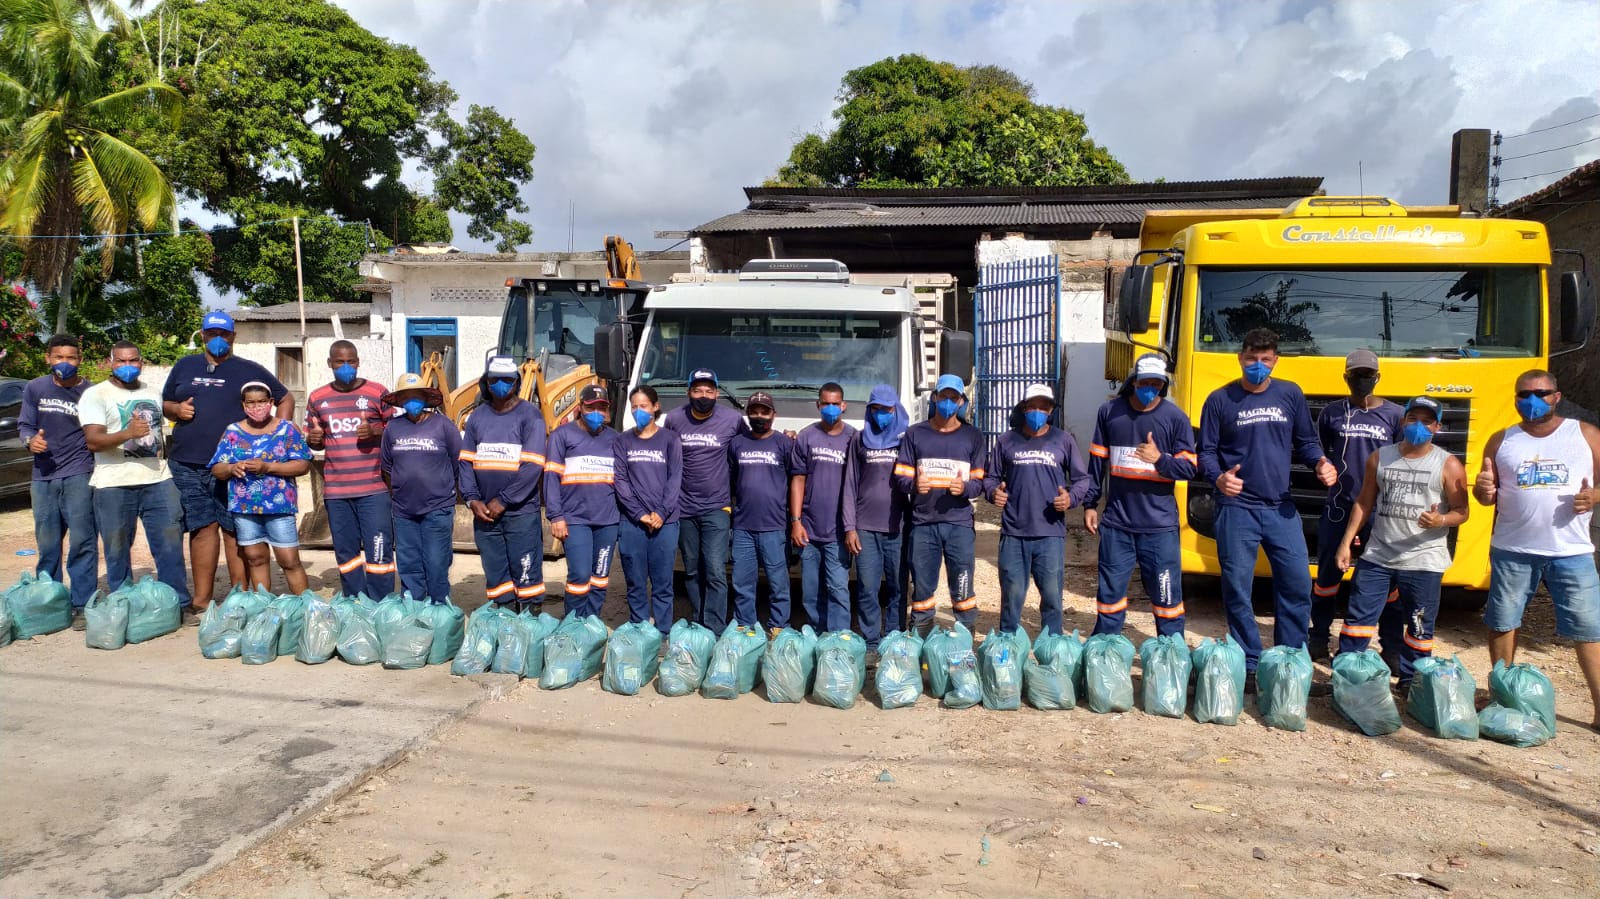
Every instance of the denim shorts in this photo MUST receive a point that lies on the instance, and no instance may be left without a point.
(1572, 581)
(278, 530)
(204, 498)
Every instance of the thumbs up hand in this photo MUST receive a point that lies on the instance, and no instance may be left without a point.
(1486, 485)
(1584, 501)
(1147, 451)
(1230, 483)
(38, 444)
(1063, 500)
(1433, 518)
(314, 433)
(1000, 496)
(1326, 473)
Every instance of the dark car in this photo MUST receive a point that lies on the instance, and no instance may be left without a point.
(16, 463)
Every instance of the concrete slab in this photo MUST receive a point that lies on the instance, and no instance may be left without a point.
(136, 771)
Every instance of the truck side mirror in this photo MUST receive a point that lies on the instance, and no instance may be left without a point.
(611, 351)
(1577, 307)
(956, 354)
(1129, 309)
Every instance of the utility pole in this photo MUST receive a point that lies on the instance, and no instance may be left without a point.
(1388, 319)
(300, 293)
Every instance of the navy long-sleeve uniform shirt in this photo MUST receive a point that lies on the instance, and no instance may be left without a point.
(872, 502)
(580, 475)
(502, 456)
(954, 457)
(1139, 494)
(706, 478)
(1349, 435)
(1261, 433)
(823, 459)
(761, 469)
(420, 459)
(1034, 470)
(649, 475)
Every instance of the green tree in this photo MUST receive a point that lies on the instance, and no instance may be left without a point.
(909, 121)
(296, 109)
(68, 170)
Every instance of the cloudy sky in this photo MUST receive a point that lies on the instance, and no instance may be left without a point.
(652, 114)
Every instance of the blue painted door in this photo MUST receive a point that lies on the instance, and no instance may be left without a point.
(425, 336)
(1017, 310)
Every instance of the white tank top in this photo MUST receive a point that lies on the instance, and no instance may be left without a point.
(1539, 476)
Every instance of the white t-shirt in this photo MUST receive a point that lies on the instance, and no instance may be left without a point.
(135, 463)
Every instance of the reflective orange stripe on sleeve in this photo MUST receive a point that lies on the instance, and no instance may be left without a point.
(905, 471)
(1096, 449)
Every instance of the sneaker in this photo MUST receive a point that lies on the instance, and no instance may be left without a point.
(1320, 653)
(1249, 682)
(1402, 687)
(872, 660)
(1322, 689)
(78, 621)
(191, 618)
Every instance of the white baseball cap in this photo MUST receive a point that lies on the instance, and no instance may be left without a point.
(1035, 391)
(1151, 366)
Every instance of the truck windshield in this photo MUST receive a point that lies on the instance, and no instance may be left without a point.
(1452, 312)
(563, 322)
(778, 352)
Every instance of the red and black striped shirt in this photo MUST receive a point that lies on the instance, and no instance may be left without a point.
(352, 466)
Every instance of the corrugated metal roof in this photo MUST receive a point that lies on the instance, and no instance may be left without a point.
(1237, 188)
(291, 312)
(1583, 176)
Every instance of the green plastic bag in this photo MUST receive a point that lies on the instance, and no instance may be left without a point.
(221, 630)
(735, 662)
(481, 640)
(789, 664)
(1048, 689)
(544, 624)
(899, 675)
(1164, 666)
(1283, 687)
(631, 658)
(105, 621)
(573, 652)
(688, 655)
(841, 668)
(1514, 726)
(247, 603)
(449, 630)
(1000, 662)
(260, 643)
(38, 606)
(1526, 689)
(408, 645)
(1361, 692)
(319, 638)
(1108, 673)
(511, 644)
(1054, 681)
(358, 637)
(293, 610)
(1443, 698)
(938, 650)
(965, 686)
(153, 610)
(1219, 672)
(394, 612)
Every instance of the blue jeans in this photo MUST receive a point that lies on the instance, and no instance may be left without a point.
(363, 544)
(1157, 557)
(589, 548)
(424, 548)
(1325, 590)
(63, 510)
(120, 510)
(647, 566)
(881, 601)
(1241, 532)
(755, 552)
(511, 549)
(1574, 590)
(1399, 606)
(1042, 558)
(823, 564)
(951, 544)
(703, 540)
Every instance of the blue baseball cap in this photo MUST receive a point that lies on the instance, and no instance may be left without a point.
(950, 382)
(217, 320)
(703, 374)
(1429, 403)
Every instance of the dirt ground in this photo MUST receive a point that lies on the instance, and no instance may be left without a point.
(585, 793)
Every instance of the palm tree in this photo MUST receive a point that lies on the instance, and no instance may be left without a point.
(65, 171)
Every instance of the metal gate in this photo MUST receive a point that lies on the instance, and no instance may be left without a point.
(1017, 313)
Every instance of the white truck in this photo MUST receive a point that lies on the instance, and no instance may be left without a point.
(786, 327)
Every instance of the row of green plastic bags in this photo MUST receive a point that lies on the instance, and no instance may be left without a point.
(557, 653)
(133, 614)
(1442, 699)
(32, 607)
(399, 631)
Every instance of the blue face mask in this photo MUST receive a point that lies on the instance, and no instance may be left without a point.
(1417, 433)
(1256, 372)
(127, 374)
(947, 408)
(1147, 395)
(1532, 408)
(219, 347)
(1036, 419)
(595, 420)
(345, 374)
(414, 407)
(501, 389)
(830, 413)
(66, 371)
(642, 418)
(881, 419)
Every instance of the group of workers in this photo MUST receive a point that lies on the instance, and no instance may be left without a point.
(894, 498)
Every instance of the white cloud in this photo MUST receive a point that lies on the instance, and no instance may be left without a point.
(652, 115)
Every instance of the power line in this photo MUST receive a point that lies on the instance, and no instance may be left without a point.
(1551, 150)
(1552, 127)
(1542, 174)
